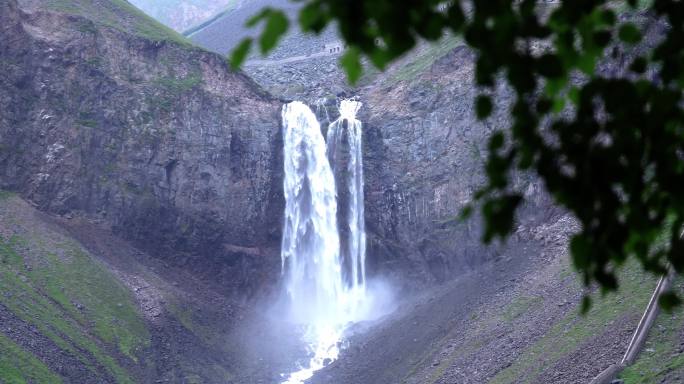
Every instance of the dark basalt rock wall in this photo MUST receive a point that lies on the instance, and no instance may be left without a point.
(161, 141)
(425, 152)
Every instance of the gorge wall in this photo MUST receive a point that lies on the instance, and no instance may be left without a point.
(425, 160)
(156, 138)
(161, 141)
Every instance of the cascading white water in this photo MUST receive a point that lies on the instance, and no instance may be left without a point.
(310, 247)
(321, 299)
(355, 217)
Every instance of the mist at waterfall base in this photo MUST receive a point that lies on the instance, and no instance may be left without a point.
(324, 275)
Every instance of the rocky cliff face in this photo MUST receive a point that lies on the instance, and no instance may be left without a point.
(424, 148)
(156, 138)
(425, 153)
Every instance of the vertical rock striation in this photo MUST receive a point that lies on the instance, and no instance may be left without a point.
(424, 159)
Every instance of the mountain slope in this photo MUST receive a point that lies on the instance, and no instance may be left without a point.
(227, 30)
(155, 137)
(117, 14)
(80, 305)
(222, 33)
(662, 360)
(183, 14)
(515, 320)
(61, 308)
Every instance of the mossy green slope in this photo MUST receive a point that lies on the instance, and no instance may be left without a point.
(662, 359)
(570, 334)
(420, 61)
(118, 14)
(51, 283)
(17, 366)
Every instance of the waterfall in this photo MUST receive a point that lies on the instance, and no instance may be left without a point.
(310, 247)
(326, 292)
(356, 248)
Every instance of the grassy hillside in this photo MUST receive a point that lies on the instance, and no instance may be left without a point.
(531, 330)
(78, 305)
(20, 366)
(574, 333)
(662, 359)
(69, 301)
(421, 59)
(118, 14)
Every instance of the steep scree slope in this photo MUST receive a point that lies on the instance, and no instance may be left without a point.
(79, 305)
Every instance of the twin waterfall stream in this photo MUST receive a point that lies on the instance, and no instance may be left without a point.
(323, 266)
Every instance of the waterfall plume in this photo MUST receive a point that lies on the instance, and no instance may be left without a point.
(325, 287)
(348, 124)
(310, 246)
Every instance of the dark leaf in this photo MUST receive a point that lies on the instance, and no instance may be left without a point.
(550, 66)
(312, 18)
(483, 106)
(586, 305)
(544, 105)
(351, 62)
(499, 213)
(638, 65)
(276, 26)
(602, 38)
(237, 57)
(668, 301)
(629, 33)
(466, 212)
(580, 249)
(254, 20)
(496, 141)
